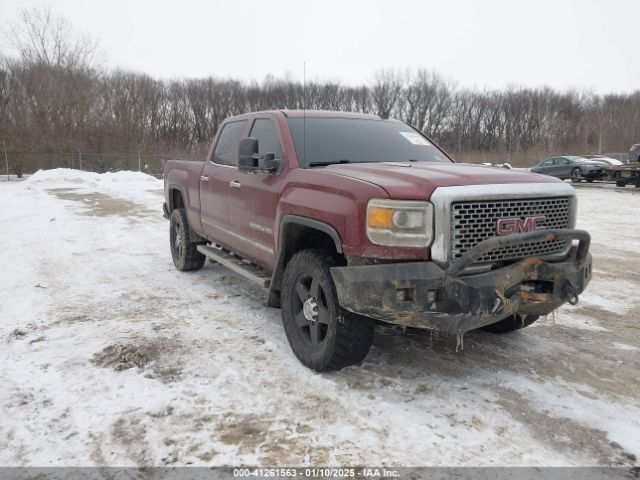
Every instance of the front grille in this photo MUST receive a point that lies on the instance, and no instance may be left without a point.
(475, 221)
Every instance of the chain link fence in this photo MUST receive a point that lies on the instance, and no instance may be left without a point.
(18, 164)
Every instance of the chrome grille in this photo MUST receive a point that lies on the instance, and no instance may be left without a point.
(475, 221)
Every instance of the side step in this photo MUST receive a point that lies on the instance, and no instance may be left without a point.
(232, 262)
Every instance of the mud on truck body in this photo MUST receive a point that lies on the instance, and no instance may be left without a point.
(351, 220)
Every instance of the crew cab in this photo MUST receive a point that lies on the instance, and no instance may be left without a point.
(350, 220)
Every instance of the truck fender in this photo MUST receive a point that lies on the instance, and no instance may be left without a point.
(169, 195)
(169, 207)
(285, 251)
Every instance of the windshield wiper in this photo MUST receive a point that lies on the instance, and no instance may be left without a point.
(324, 164)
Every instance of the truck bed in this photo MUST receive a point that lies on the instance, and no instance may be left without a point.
(184, 175)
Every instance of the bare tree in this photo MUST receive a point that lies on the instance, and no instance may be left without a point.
(41, 37)
(386, 91)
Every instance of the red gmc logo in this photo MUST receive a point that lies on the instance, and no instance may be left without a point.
(507, 226)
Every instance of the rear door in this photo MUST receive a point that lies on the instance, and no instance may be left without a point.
(562, 167)
(546, 167)
(552, 168)
(216, 183)
(253, 211)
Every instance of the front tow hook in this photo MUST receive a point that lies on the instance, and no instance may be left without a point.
(570, 293)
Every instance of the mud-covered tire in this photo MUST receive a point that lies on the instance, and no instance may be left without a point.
(341, 338)
(184, 251)
(509, 324)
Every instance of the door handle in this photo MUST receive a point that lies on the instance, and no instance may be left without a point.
(204, 178)
(234, 184)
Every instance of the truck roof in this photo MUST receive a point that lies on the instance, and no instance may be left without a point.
(310, 113)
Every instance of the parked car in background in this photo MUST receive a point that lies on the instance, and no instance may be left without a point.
(604, 159)
(573, 167)
(634, 153)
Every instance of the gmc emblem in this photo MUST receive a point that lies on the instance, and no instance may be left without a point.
(507, 226)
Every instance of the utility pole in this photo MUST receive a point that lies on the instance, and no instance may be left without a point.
(6, 158)
(139, 163)
(80, 159)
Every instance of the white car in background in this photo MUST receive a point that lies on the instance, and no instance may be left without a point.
(603, 159)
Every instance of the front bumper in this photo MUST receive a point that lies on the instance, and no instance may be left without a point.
(423, 295)
(595, 173)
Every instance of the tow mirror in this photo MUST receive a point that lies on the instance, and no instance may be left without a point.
(269, 163)
(248, 158)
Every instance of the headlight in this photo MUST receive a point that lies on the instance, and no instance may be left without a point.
(400, 223)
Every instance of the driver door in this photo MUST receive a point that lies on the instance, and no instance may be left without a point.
(253, 209)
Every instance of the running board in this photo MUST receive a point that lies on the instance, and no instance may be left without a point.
(232, 262)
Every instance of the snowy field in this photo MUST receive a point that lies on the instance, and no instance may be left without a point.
(109, 356)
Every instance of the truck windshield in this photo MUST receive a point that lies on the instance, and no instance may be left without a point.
(326, 140)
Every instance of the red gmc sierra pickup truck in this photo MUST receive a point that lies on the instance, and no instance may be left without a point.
(350, 220)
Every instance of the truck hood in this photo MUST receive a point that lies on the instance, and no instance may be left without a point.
(418, 180)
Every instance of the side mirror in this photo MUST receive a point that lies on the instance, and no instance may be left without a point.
(248, 158)
(250, 161)
(269, 163)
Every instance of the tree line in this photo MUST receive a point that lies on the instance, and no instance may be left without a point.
(54, 97)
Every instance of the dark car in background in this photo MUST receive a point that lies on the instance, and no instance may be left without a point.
(634, 153)
(573, 167)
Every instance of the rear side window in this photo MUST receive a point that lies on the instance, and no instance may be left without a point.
(268, 142)
(226, 151)
(561, 161)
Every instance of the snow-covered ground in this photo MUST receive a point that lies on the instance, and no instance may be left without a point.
(109, 356)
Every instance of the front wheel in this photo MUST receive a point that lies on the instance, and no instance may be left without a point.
(323, 335)
(509, 324)
(576, 175)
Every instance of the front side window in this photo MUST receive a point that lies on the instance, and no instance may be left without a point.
(547, 163)
(264, 130)
(226, 151)
(562, 161)
(328, 140)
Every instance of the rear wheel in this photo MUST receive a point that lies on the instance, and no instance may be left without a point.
(576, 175)
(184, 251)
(322, 334)
(509, 324)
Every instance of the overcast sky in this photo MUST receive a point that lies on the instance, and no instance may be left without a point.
(586, 44)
